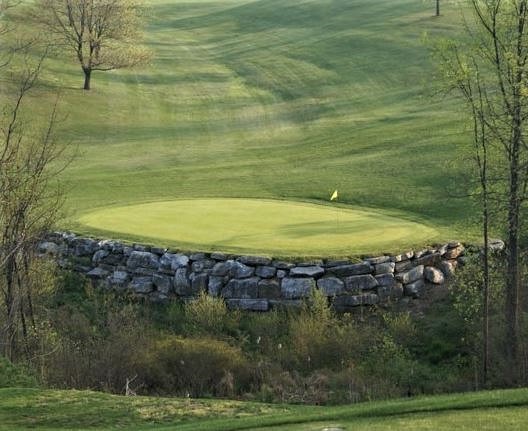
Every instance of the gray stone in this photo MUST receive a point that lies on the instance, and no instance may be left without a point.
(403, 265)
(384, 268)
(454, 253)
(254, 260)
(240, 270)
(215, 286)
(158, 250)
(386, 280)
(118, 279)
(282, 264)
(313, 262)
(378, 260)
(331, 286)
(163, 283)
(246, 288)
(269, 289)
(430, 259)
(114, 259)
(202, 265)
(266, 271)
(349, 270)
(496, 245)
(49, 248)
(447, 267)
(199, 282)
(84, 246)
(219, 256)
(182, 283)
(418, 254)
(453, 244)
(97, 273)
(307, 271)
(281, 273)
(412, 275)
(357, 283)
(334, 262)
(415, 289)
(295, 288)
(434, 275)
(143, 259)
(171, 262)
(402, 257)
(142, 285)
(197, 256)
(248, 304)
(233, 269)
(141, 247)
(99, 256)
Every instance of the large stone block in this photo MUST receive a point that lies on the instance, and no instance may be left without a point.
(182, 282)
(415, 289)
(269, 289)
(295, 288)
(233, 268)
(163, 283)
(215, 285)
(307, 271)
(357, 283)
(266, 271)
(350, 270)
(248, 304)
(434, 275)
(254, 260)
(143, 259)
(199, 282)
(384, 268)
(431, 259)
(246, 288)
(171, 262)
(411, 275)
(142, 285)
(331, 286)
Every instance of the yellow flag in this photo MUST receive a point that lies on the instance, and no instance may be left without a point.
(334, 196)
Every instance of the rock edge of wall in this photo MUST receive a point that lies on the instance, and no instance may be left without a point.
(256, 283)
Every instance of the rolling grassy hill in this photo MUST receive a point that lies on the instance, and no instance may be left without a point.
(272, 99)
(22, 409)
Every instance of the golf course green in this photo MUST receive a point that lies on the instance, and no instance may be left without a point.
(279, 227)
(271, 99)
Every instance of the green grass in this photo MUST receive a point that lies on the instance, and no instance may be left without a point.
(22, 409)
(273, 99)
(248, 225)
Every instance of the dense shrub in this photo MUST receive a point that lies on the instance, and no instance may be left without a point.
(15, 376)
(195, 366)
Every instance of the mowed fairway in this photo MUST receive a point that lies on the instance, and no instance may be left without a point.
(273, 99)
(23, 409)
(291, 228)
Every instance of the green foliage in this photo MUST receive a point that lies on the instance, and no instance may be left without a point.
(209, 315)
(15, 376)
(195, 366)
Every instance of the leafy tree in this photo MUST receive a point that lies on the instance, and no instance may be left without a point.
(102, 34)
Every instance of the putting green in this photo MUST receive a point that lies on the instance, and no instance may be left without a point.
(256, 225)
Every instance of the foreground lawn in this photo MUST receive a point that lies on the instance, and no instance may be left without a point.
(279, 227)
(22, 409)
(272, 99)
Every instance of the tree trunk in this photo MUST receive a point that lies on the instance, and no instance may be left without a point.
(513, 279)
(437, 7)
(87, 78)
(486, 293)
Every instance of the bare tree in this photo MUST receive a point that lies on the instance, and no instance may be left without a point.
(490, 68)
(102, 34)
(30, 200)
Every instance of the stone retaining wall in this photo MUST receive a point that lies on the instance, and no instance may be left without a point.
(255, 283)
